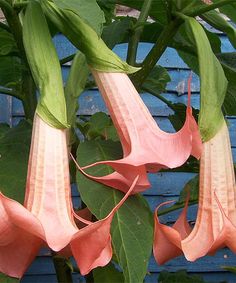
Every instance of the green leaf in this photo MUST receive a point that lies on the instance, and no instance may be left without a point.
(7, 279)
(3, 129)
(75, 85)
(107, 274)
(98, 55)
(158, 9)
(157, 80)
(7, 43)
(88, 10)
(108, 10)
(229, 10)
(14, 151)
(10, 71)
(132, 226)
(217, 21)
(178, 276)
(98, 126)
(228, 61)
(117, 31)
(45, 67)
(213, 83)
(229, 268)
(192, 188)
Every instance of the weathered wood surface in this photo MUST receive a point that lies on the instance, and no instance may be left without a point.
(165, 186)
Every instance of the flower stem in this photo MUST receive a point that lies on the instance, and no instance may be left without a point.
(167, 102)
(174, 207)
(208, 8)
(9, 92)
(29, 95)
(28, 91)
(63, 271)
(157, 50)
(134, 39)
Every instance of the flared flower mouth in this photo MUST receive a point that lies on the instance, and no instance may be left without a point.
(47, 215)
(215, 226)
(146, 148)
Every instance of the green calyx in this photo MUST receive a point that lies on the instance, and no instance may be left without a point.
(98, 55)
(45, 67)
(213, 82)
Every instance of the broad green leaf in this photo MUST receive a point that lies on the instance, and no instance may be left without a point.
(14, 151)
(45, 67)
(98, 126)
(213, 83)
(228, 61)
(10, 71)
(117, 31)
(158, 10)
(107, 274)
(217, 21)
(132, 226)
(157, 80)
(178, 118)
(88, 10)
(108, 10)
(179, 276)
(98, 55)
(7, 279)
(7, 43)
(229, 268)
(3, 129)
(229, 10)
(192, 188)
(75, 85)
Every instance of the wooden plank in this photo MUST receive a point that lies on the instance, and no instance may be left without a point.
(215, 277)
(152, 278)
(43, 264)
(5, 109)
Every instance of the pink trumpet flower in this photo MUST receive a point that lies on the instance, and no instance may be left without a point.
(145, 146)
(47, 216)
(216, 219)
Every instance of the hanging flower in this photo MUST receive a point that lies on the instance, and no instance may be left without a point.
(47, 216)
(145, 146)
(216, 219)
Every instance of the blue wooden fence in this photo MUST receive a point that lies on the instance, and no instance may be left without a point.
(165, 186)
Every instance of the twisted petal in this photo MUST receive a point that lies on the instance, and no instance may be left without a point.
(216, 220)
(48, 216)
(167, 240)
(145, 146)
(20, 237)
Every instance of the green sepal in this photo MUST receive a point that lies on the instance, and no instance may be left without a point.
(213, 82)
(45, 67)
(75, 85)
(98, 55)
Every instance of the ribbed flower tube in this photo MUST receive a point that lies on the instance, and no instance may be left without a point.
(145, 146)
(216, 220)
(47, 217)
(215, 225)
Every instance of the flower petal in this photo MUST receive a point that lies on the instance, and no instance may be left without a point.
(216, 217)
(144, 144)
(20, 237)
(91, 246)
(48, 194)
(167, 240)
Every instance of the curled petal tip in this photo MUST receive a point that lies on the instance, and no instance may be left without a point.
(134, 124)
